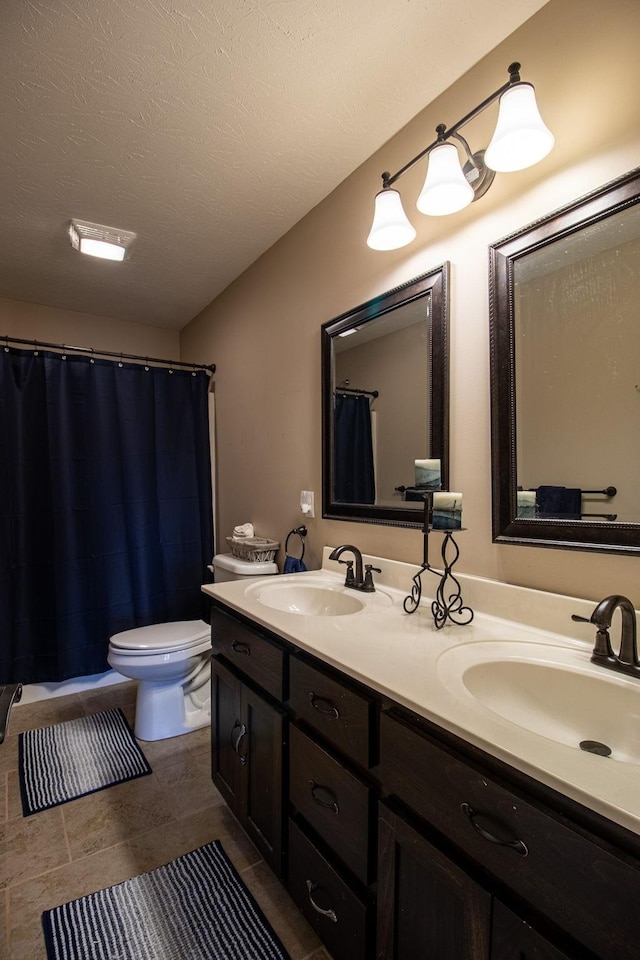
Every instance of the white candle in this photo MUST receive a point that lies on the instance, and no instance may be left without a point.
(444, 500)
(447, 510)
(427, 473)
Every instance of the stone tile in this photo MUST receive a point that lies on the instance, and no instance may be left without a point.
(110, 816)
(28, 900)
(121, 695)
(162, 752)
(295, 933)
(9, 754)
(145, 852)
(44, 713)
(32, 845)
(4, 923)
(187, 783)
(14, 800)
(159, 846)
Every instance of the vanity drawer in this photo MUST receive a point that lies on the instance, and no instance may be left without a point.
(341, 715)
(340, 918)
(332, 800)
(587, 888)
(250, 652)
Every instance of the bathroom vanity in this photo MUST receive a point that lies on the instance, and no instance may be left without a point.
(410, 809)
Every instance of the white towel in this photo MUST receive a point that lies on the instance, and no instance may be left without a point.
(243, 531)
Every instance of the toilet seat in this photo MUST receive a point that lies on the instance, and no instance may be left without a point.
(162, 638)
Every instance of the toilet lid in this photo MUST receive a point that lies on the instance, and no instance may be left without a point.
(162, 636)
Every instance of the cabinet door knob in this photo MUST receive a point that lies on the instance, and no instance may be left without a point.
(324, 706)
(329, 914)
(518, 845)
(332, 804)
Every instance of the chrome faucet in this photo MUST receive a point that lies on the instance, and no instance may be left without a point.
(626, 661)
(361, 579)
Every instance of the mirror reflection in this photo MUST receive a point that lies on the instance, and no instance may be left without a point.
(567, 419)
(384, 390)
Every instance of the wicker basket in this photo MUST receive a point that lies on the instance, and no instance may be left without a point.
(254, 549)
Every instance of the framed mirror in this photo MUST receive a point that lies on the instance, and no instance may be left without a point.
(565, 375)
(385, 402)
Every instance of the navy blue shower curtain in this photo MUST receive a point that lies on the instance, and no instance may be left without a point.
(354, 479)
(105, 507)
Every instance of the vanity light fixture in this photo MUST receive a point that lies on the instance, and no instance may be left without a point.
(109, 243)
(520, 139)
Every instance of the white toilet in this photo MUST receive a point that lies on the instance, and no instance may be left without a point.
(171, 662)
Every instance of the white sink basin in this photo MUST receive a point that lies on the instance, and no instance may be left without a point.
(552, 691)
(313, 597)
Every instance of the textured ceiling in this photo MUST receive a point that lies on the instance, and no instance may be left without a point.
(207, 127)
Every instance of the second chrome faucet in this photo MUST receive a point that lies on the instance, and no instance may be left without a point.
(362, 577)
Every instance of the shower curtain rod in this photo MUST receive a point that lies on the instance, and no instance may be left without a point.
(210, 367)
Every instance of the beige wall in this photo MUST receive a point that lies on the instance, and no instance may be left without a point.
(264, 330)
(29, 321)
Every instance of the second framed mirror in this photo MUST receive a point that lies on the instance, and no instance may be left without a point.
(385, 408)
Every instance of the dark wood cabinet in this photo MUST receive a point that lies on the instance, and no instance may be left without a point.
(248, 743)
(513, 939)
(427, 906)
(405, 842)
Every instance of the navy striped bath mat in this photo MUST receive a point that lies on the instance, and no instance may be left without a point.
(194, 908)
(77, 757)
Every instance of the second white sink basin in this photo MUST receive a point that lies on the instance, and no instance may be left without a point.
(313, 597)
(554, 692)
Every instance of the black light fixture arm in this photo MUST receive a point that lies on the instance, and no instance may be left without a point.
(445, 134)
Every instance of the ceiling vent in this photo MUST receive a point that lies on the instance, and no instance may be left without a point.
(100, 241)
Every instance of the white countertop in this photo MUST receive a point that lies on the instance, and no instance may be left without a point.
(406, 659)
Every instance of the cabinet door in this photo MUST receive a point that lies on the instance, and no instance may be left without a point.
(427, 906)
(513, 939)
(228, 732)
(262, 811)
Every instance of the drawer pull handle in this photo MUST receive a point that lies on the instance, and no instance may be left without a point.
(327, 804)
(518, 845)
(241, 648)
(236, 745)
(329, 914)
(324, 706)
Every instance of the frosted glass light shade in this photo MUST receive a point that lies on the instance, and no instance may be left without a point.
(101, 248)
(446, 189)
(521, 137)
(390, 228)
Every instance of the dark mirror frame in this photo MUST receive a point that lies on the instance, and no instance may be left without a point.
(436, 283)
(623, 538)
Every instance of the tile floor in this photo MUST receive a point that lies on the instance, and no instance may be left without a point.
(125, 830)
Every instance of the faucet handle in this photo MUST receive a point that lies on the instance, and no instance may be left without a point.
(574, 616)
(368, 585)
(350, 578)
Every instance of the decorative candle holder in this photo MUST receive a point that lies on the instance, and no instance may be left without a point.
(448, 604)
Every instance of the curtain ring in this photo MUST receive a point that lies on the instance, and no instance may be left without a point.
(35, 347)
(146, 361)
(193, 372)
(120, 361)
(6, 343)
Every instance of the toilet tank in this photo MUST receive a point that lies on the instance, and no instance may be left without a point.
(227, 567)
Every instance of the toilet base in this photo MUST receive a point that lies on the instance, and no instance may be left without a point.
(165, 710)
